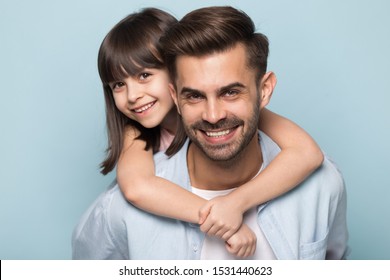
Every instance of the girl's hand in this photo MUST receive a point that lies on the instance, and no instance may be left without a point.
(243, 243)
(220, 217)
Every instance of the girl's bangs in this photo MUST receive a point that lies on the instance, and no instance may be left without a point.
(128, 58)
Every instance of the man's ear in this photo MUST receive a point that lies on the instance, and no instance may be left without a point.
(267, 85)
(172, 91)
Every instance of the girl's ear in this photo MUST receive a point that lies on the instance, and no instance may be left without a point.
(267, 85)
(172, 91)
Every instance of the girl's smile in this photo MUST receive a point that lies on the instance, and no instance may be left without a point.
(143, 108)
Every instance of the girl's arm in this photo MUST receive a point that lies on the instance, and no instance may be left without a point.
(138, 183)
(299, 157)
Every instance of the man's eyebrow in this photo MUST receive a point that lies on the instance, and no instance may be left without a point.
(230, 86)
(188, 90)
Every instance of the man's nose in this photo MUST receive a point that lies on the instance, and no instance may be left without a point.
(214, 111)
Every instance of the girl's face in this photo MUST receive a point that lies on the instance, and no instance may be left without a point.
(144, 98)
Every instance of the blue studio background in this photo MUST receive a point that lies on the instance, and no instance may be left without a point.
(331, 59)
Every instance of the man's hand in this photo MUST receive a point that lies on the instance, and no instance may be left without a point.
(220, 217)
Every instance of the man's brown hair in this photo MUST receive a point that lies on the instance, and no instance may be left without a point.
(212, 30)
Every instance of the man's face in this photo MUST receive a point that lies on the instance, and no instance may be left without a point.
(219, 101)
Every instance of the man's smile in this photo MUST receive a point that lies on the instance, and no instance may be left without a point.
(217, 133)
(219, 136)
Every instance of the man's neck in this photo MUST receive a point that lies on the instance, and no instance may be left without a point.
(212, 175)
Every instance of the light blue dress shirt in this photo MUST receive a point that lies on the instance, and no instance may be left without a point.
(308, 222)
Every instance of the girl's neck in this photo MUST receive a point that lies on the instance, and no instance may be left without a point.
(169, 122)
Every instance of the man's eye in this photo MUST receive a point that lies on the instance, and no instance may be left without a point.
(194, 96)
(231, 92)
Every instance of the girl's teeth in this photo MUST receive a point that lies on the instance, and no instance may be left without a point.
(217, 134)
(140, 110)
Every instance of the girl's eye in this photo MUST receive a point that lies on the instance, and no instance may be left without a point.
(144, 76)
(117, 86)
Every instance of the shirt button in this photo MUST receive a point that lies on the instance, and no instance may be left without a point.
(195, 247)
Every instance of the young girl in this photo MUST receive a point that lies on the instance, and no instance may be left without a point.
(141, 120)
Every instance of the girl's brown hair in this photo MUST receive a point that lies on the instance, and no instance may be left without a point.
(132, 45)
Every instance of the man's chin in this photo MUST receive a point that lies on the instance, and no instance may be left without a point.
(220, 152)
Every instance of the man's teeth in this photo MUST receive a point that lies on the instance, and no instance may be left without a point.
(143, 108)
(217, 134)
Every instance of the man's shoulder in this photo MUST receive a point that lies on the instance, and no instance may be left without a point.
(323, 186)
(111, 210)
(108, 202)
(173, 168)
(269, 148)
(96, 227)
(327, 179)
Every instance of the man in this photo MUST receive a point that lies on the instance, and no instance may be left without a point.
(218, 68)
